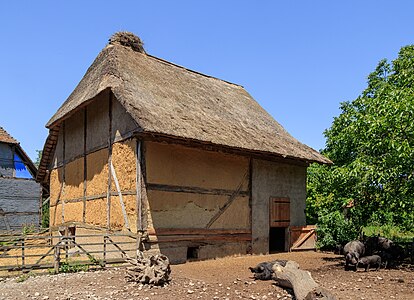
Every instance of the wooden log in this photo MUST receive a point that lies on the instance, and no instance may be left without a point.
(154, 270)
(302, 283)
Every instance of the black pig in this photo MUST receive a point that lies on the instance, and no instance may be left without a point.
(368, 261)
(353, 251)
(391, 255)
(264, 270)
(377, 243)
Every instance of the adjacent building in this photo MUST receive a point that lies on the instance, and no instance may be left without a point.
(19, 192)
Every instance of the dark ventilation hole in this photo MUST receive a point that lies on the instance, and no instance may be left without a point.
(192, 252)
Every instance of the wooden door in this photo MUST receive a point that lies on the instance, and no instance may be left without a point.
(279, 209)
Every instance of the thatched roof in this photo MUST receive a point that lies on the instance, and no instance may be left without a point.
(5, 137)
(167, 99)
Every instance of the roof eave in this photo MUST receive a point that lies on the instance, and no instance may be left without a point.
(156, 136)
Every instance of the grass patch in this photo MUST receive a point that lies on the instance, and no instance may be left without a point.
(24, 277)
(391, 232)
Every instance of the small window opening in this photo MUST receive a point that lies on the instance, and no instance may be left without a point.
(192, 252)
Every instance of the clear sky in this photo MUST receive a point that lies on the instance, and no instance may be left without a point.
(298, 59)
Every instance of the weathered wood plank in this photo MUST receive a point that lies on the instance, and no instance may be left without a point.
(279, 212)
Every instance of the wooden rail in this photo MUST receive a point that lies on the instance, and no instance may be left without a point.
(26, 253)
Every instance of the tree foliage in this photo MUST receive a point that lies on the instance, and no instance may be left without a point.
(371, 144)
(38, 158)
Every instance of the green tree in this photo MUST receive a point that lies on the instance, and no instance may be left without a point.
(372, 146)
(39, 158)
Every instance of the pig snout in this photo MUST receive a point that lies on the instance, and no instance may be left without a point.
(351, 258)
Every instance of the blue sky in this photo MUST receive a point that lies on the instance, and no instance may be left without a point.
(298, 59)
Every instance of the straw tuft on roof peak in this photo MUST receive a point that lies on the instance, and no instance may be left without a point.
(127, 39)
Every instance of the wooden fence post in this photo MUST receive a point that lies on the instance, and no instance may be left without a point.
(23, 258)
(56, 259)
(66, 243)
(104, 250)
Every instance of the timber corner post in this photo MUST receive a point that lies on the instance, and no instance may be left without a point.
(108, 195)
(139, 183)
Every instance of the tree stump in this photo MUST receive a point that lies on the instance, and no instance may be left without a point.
(153, 270)
(302, 283)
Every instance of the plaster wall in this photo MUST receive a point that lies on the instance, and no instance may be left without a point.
(97, 172)
(73, 188)
(69, 166)
(123, 160)
(183, 166)
(271, 179)
(180, 166)
(187, 210)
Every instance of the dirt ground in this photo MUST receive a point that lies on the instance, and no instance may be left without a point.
(227, 278)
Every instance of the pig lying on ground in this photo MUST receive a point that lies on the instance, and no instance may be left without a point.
(368, 261)
(264, 270)
(353, 251)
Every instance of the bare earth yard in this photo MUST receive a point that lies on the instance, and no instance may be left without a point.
(227, 278)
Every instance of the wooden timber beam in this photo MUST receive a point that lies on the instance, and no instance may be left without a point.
(193, 190)
(195, 231)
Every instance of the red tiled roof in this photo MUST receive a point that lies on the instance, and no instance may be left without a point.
(6, 138)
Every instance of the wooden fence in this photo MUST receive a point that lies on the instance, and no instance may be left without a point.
(31, 252)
